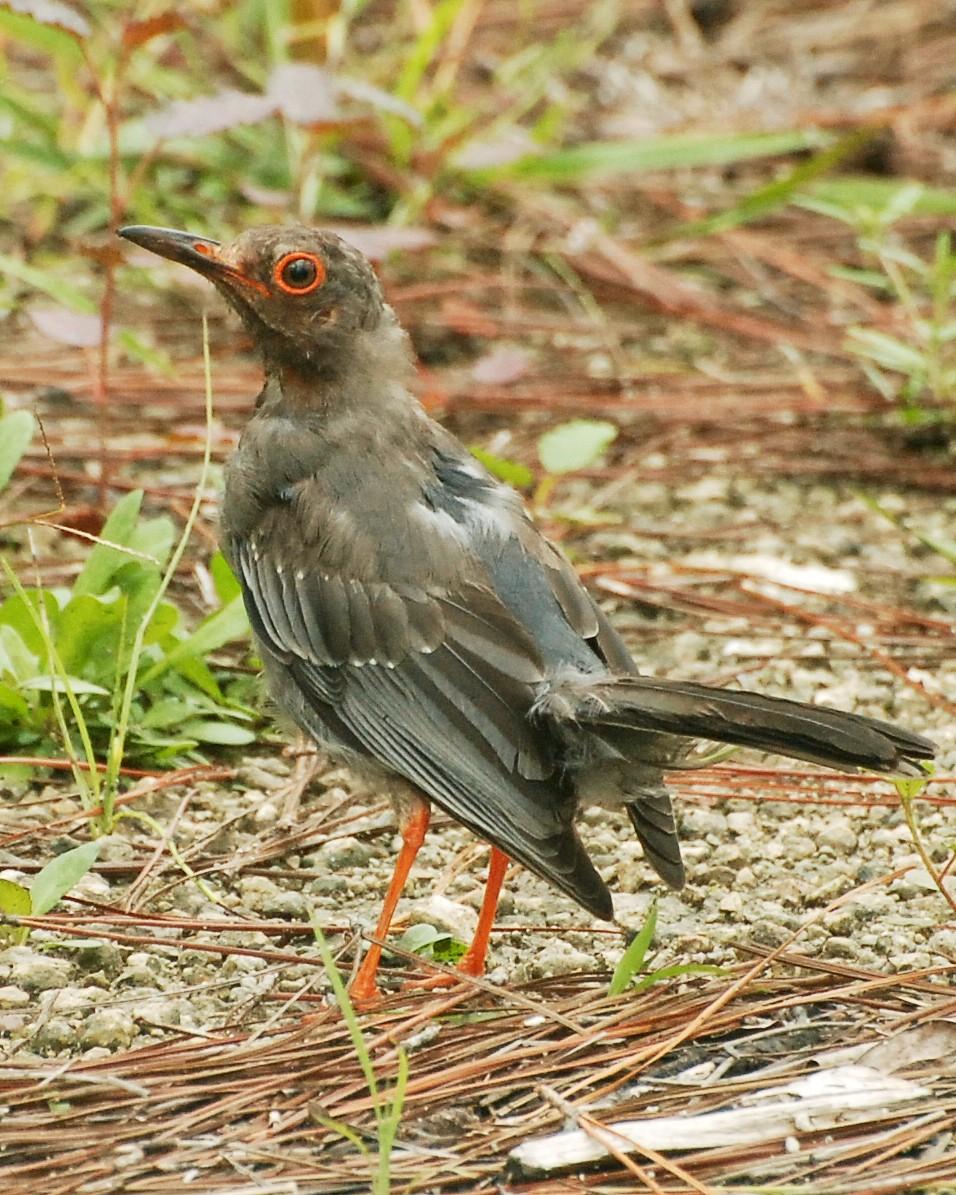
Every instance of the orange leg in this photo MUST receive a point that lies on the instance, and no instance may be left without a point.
(412, 829)
(473, 961)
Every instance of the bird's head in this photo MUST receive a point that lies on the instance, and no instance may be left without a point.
(306, 296)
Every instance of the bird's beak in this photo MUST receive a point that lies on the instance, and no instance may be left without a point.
(199, 253)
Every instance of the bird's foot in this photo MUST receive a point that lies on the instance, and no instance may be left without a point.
(469, 964)
(364, 992)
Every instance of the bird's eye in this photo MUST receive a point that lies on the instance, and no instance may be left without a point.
(299, 273)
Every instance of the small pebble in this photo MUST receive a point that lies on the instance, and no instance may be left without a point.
(112, 1028)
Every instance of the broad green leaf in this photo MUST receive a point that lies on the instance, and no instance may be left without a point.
(513, 472)
(154, 537)
(17, 662)
(224, 734)
(21, 612)
(15, 899)
(16, 432)
(52, 26)
(575, 445)
(104, 561)
(418, 939)
(146, 354)
(59, 876)
(165, 621)
(171, 711)
(13, 708)
(14, 902)
(87, 627)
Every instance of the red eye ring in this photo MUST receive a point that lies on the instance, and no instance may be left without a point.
(311, 279)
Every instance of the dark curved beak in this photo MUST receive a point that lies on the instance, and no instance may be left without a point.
(200, 253)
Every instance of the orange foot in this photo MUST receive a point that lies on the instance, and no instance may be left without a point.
(469, 964)
(364, 991)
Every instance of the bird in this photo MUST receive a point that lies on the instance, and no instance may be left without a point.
(413, 620)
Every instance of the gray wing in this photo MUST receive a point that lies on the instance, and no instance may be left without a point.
(436, 685)
(545, 595)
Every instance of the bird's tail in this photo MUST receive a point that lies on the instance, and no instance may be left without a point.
(791, 728)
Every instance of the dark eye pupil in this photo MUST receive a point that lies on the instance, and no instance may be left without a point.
(299, 272)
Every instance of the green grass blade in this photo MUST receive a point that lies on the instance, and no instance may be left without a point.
(774, 195)
(632, 959)
(604, 159)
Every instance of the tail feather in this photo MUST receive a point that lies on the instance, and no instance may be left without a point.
(791, 728)
(653, 820)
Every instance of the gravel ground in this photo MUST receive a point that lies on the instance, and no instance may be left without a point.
(757, 869)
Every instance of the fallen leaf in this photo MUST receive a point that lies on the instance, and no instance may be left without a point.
(67, 327)
(304, 94)
(210, 114)
(377, 241)
(52, 12)
(502, 365)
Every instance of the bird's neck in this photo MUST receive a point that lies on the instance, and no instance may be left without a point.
(361, 369)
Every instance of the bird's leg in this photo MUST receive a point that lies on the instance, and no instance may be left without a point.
(413, 825)
(473, 961)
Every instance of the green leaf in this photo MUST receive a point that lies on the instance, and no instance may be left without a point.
(103, 561)
(87, 627)
(224, 734)
(165, 621)
(146, 354)
(15, 899)
(855, 192)
(16, 432)
(60, 874)
(773, 195)
(513, 472)
(50, 282)
(153, 537)
(675, 971)
(575, 445)
(20, 614)
(13, 709)
(887, 350)
(196, 671)
(14, 902)
(221, 627)
(223, 578)
(17, 662)
(171, 711)
(632, 959)
(46, 684)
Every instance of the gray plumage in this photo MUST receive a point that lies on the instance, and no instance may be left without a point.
(410, 615)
